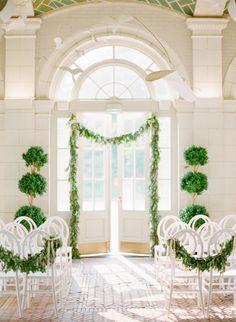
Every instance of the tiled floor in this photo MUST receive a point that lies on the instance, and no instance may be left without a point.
(121, 289)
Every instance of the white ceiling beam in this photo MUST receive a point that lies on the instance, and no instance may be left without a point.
(209, 8)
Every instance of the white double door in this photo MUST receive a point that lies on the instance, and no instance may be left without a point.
(113, 185)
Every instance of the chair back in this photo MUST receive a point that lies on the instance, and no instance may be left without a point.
(18, 230)
(218, 239)
(163, 225)
(191, 241)
(62, 225)
(10, 242)
(207, 230)
(34, 242)
(228, 221)
(25, 219)
(193, 221)
(175, 227)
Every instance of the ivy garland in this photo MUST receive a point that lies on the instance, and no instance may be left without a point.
(216, 262)
(36, 263)
(78, 129)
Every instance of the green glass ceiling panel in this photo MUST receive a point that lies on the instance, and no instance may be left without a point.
(185, 7)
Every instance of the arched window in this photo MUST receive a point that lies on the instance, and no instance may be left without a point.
(110, 71)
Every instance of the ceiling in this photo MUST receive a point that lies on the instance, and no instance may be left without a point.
(185, 7)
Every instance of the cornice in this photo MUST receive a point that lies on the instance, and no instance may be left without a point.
(206, 26)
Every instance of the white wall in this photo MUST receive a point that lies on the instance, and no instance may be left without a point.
(25, 120)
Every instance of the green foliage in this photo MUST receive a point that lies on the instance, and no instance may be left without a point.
(189, 212)
(78, 129)
(196, 155)
(216, 262)
(35, 213)
(36, 263)
(36, 157)
(194, 182)
(32, 184)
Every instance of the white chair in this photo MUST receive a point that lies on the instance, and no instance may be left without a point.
(160, 249)
(49, 282)
(193, 221)
(12, 282)
(179, 279)
(221, 282)
(228, 221)
(24, 219)
(57, 225)
(18, 230)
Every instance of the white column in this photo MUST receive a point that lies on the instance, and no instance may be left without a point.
(20, 61)
(207, 55)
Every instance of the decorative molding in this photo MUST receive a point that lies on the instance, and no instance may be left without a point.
(206, 26)
(29, 30)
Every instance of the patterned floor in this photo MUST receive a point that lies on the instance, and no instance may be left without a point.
(121, 289)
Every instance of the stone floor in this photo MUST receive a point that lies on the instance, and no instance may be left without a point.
(121, 289)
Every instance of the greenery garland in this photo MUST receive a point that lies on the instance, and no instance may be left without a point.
(79, 129)
(74, 193)
(36, 263)
(216, 262)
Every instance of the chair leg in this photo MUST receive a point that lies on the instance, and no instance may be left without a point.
(200, 291)
(170, 297)
(53, 291)
(18, 294)
(210, 293)
(24, 294)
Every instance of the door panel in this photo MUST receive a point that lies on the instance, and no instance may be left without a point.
(133, 205)
(94, 233)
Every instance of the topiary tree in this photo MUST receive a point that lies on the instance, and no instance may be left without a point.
(194, 182)
(33, 184)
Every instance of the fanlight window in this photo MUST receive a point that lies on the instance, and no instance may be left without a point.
(109, 71)
(114, 81)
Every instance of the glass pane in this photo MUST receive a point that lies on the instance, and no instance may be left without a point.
(165, 139)
(127, 195)
(94, 56)
(164, 187)
(133, 55)
(103, 76)
(119, 89)
(63, 192)
(162, 90)
(63, 157)
(99, 195)
(65, 87)
(88, 89)
(63, 132)
(107, 90)
(139, 195)
(139, 89)
(88, 164)
(128, 163)
(99, 164)
(164, 165)
(139, 164)
(87, 195)
(124, 75)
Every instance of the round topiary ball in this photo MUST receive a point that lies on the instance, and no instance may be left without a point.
(36, 157)
(196, 155)
(191, 211)
(32, 184)
(35, 213)
(194, 182)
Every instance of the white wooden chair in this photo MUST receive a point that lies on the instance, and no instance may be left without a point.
(206, 231)
(178, 279)
(51, 281)
(12, 282)
(160, 249)
(225, 282)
